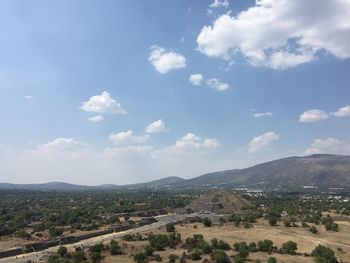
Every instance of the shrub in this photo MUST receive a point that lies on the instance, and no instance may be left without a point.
(220, 256)
(158, 242)
(55, 231)
(140, 257)
(271, 260)
(96, 256)
(207, 222)
(313, 230)
(62, 251)
(265, 245)
(79, 256)
(289, 247)
(53, 259)
(195, 255)
(114, 248)
(172, 258)
(170, 227)
(324, 254)
(149, 250)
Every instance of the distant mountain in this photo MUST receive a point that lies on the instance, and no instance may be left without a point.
(60, 186)
(44, 187)
(164, 182)
(319, 170)
(323, 170)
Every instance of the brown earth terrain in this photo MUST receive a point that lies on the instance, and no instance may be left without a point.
(338, 241)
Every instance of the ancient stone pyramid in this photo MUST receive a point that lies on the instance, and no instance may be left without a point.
(219, 202)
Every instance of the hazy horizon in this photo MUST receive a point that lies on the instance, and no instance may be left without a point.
(124, 92)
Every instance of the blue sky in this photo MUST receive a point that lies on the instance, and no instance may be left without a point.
(81, 81)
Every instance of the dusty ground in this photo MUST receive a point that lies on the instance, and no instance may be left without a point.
(279, 234)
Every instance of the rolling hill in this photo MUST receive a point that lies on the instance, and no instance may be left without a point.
(324, 170)
(320, 170)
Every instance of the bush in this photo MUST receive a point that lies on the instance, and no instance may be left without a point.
(170, 227)
(62, 251)
(149, 250)
(324, 254)
(96, 256)
(313, 230)
(55, 231)
(195, 255)
(219, 244)
(114, 248)
(220, 256)
(140, 257)
(79, 256)
(238, 259)
(207, 222)
(243, 252)
(271, 260)
(53, 259)
(158, 242)
(96, 248)
(289, 247)
(172, 258)
(265, 246)
(205, 247)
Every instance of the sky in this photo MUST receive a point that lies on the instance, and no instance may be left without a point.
(119, 92)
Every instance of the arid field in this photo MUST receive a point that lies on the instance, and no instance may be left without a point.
(306, 241)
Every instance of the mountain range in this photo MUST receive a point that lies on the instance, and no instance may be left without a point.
(323, 170)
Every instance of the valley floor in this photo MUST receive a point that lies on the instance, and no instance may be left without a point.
(338, 241)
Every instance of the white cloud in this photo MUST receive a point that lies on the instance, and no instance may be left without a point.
(188, 144)
(103, 103)
(219, 3)
(62, 144)
(259, 142)
(128, 137)
(196, 79)
(96, 118)
(313, 116)
(28, 97)
(280, 34)
(342, 112)
(217, 84)
(329, 145)
(156, 126)
(166, 61)
(192, 141)
(262, 114)
(73, 161)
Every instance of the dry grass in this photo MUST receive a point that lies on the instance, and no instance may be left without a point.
(261, 230)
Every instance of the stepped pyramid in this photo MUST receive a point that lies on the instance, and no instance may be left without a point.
(218, 202)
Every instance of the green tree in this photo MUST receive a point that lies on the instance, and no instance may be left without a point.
(55, 231)
(114, 248)
(149, 250)
(265, 245)
(170, 227)
(207, 222)
(62, 251)
(140, 257)
(53, 259)
(96, 257)
(172, 258)
(220, 256)
(313, 229)
(289, 247)
(324, 254)
(195, 255)
(79, 256)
